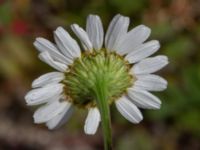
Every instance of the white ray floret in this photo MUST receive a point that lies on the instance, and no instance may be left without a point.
(133, 38)
(144, 99)
(46, 57)
(67, 44)
(48, 78)
(44, 94)
(44, 45)
(94, 29)
(61, 118)
(92, 121)
(83, 36)
(143, 51)
(150, 65)
(116, 31)
(48, 111)
(150, 82)
(128, 110)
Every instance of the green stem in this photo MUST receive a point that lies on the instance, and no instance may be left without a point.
(102, 102)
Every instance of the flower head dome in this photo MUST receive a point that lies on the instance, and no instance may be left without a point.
(121, 70)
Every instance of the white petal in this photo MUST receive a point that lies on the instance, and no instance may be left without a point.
(44, 94)
(149, 65)
(143, 51)
(150, 83)
(92, 121)
(110, 28)
(83, 36)
(66, 43)
(48, 78)
(48, 111)
(144, 99)
(44, 45)
(134, 38)
(44, 56)
(128, 110)
(61, 118)
(116, 32)
(95, 32)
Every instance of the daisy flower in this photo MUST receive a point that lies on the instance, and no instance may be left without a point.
(116, 70)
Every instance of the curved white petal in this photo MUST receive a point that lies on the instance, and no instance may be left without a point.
(143, 51)
(110, 28)
(116, 32)
(61, 118)
(144, 99)
(48, 111)
(92, 121)
(128, 110)
(44, 45)
(95, 31)
(68, 46)
(44, 94)
(134, 38)
(149, 65)
(46, 57)
(48, 78)
(83, 36)
(150, 83)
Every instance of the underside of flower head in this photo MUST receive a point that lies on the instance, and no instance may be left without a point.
(84, 74)
(120, 63)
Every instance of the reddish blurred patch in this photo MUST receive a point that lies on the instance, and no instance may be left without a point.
(1, 30)
(2, 1)
(19, 27)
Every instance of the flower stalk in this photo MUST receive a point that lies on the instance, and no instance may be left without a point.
(101, 93)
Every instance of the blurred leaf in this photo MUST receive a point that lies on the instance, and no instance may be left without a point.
(162, 30)
(178, 49)
(128, 6)
(5, 13)
(192, 84)
(190, 121)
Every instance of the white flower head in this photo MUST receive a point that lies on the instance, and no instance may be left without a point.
(122, 66)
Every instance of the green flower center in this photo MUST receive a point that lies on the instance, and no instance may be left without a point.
(88, 73)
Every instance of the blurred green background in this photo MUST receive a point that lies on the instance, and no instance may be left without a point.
(176, 23)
